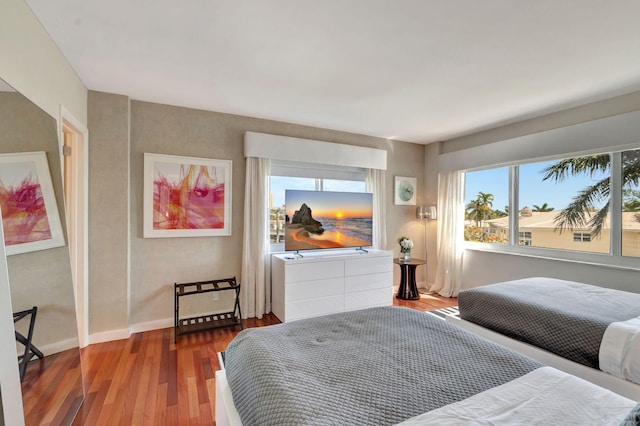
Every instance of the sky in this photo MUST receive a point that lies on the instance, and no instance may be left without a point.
(533, 190)
(331, 204)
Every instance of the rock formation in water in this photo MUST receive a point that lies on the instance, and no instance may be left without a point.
(305, 218)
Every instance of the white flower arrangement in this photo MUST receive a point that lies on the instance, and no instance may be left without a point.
(405, 244)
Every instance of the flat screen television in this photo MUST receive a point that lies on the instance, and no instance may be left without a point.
(317, 220)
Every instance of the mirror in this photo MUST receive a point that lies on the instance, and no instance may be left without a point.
(52, 386)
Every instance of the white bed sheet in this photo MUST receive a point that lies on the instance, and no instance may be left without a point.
(544, 396)
(620, 350)
(226, 412)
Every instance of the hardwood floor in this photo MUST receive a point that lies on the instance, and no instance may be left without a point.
(52, 389)
(149, 380)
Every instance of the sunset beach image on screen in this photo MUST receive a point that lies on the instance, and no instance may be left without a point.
(327, 220)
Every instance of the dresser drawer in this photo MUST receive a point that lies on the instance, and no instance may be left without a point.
(368, 265)
(368, 299)
(313, 271)
(314, 307)
(303, 290)
(368, 282)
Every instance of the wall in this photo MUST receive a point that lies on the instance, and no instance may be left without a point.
(486, 268)
(34, 65)
(108, 215)
(155, 264)
(593, 111)
(431, 198)
(481, 267)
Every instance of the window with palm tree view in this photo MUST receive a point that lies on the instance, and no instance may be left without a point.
(562, 204)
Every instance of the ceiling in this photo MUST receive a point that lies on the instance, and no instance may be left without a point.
(413, 70)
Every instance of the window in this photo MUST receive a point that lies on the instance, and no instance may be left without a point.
(562, 204)
(559, 199)
(581, 237)
(524, 238)
(631, 203)
(487, 206)
(342, 185)
(290, 175)
(277, 185)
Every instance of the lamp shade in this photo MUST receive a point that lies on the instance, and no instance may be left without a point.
(426, 212)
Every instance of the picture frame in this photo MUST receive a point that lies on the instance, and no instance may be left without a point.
(186, 196)
(30, 217)
(405, 191)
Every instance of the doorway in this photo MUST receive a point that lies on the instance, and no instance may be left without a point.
(74, 139)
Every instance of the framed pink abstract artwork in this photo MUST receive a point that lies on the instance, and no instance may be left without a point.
(186, 196)
(29, 211)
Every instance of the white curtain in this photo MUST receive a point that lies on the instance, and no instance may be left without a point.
(375, 183)
(255, 290)
(450, 233)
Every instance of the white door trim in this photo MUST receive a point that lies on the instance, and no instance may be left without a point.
(78, 215)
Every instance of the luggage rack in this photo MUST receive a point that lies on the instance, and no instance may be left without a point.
(29, 348)
(208, 321)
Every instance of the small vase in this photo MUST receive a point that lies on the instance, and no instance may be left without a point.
(405, 257)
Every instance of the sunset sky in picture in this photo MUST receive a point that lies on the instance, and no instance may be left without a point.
(331, 204)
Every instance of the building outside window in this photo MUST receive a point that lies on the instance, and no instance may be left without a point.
(581, 237)
(524, 238)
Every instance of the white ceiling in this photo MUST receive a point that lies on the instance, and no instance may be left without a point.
(413, 70)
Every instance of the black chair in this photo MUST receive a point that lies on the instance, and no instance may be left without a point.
(29, 349)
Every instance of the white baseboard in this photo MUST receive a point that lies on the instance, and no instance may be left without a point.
(152, 325)
(55, 347)
(108, 336)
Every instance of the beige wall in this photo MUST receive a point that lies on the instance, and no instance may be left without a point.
(155, 264)
(431, 198)
(108, 213)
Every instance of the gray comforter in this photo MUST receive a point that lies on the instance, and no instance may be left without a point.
(377, 366)
(563, 317)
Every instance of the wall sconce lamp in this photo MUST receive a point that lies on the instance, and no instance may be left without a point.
(426, 212)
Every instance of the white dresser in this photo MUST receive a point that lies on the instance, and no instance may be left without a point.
(330, 282)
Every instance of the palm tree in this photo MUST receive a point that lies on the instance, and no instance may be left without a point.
(575, 215)
(486, 203)
(480, 208)
(474, 212)
(543, 208)
(630, 201)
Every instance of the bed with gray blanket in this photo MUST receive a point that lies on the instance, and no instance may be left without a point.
(377, 366)
(563, 317)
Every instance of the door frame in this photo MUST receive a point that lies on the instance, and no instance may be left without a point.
(77, 213)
